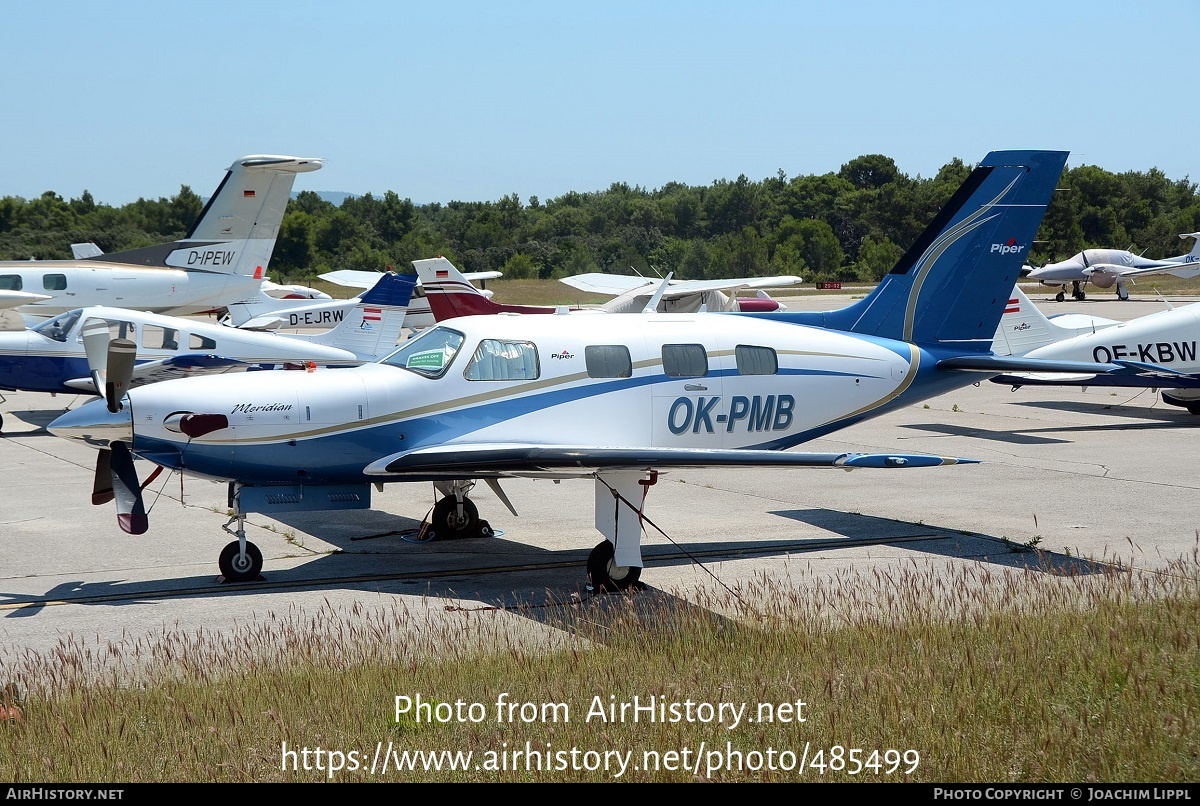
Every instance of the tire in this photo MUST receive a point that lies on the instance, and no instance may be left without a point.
(447, 525)
(235, 567)
(1060, 296)
(1122, 293)
(606, 576)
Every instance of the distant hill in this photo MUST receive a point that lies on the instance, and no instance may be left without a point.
(334, 197)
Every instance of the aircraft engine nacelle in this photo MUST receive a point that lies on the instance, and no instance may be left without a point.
(1103, 279)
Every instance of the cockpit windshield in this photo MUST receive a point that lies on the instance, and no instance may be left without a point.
(58, 327)
(429, 354)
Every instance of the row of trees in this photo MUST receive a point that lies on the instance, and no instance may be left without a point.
(852, 225)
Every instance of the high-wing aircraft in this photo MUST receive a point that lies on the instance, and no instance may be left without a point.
(264, 312)
(68, 352)
(1105, 268)
(612, 398)
(1166, 339)
(221, 260)
(682, 296)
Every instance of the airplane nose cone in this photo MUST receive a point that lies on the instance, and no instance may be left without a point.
(94, 424)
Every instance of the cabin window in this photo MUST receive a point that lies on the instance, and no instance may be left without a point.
(58, 327)
(197, 342)
(159, 338)
(496, 360)
(54, 282)
(118, 329)
(608, 361)
(429, 354)
(10, 282)
(684, 360)
(755, 360)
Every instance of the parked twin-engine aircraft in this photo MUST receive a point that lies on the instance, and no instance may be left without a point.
(682, 296)
(611, 398)
(1105, 268)
(68, 352)
(1166, 339)
(263, 312)
(221, 260)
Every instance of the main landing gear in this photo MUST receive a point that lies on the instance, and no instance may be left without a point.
(455, 515)
(240, 561)
(608, 577)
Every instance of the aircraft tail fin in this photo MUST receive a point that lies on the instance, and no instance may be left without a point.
(1023, 327)
(951, 287)
(372, 327)
(450, 294)
(1191, 260)
(236, 231)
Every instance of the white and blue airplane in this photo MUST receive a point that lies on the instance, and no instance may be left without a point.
(612, 398)
(68, 353)
(1167, 339)
(222, 259)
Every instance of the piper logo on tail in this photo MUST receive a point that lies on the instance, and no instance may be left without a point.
(1008, 248)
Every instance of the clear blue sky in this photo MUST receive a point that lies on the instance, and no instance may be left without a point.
(451, 99)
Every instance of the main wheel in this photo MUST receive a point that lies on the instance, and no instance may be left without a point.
(605, 575)
(237, 567)
(448, 524)
(1122, 292)
(1079, 295)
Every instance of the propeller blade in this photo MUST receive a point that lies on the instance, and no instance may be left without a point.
(121, 356)
(131, 510)
(102, 488)
(95, 347)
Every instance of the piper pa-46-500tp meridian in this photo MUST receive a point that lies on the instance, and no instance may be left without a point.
(69, 352)
(611, 398)
(1105, 268)
(222, 259)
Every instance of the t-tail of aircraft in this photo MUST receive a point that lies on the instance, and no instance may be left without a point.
(1024, 328)
(949, 289)
(371, 328)
(236, 231)
(450, 294)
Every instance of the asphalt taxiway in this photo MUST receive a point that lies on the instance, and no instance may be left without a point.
(1085, 476)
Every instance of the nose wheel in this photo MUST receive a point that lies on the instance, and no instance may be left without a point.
(240, 561)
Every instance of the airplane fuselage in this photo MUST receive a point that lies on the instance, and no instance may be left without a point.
(1167, 338)
(78, 284)
(672, 381)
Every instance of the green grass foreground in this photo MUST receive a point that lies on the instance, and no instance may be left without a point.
(986, 675)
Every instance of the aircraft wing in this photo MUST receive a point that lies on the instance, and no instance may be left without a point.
(1019, 371)
(367, 279)
(494, 460)
(1126, 272)
(13, 299)
(611, 284)
(179, 366)
(618, 284)
(352, 278)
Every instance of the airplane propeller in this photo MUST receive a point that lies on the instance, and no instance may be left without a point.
(111, 362)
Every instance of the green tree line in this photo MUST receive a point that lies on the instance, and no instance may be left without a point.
(851, 225)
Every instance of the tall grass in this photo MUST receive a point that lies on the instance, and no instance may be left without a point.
(1010, 676)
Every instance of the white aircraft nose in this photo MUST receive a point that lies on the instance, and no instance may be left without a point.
(94, 424)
